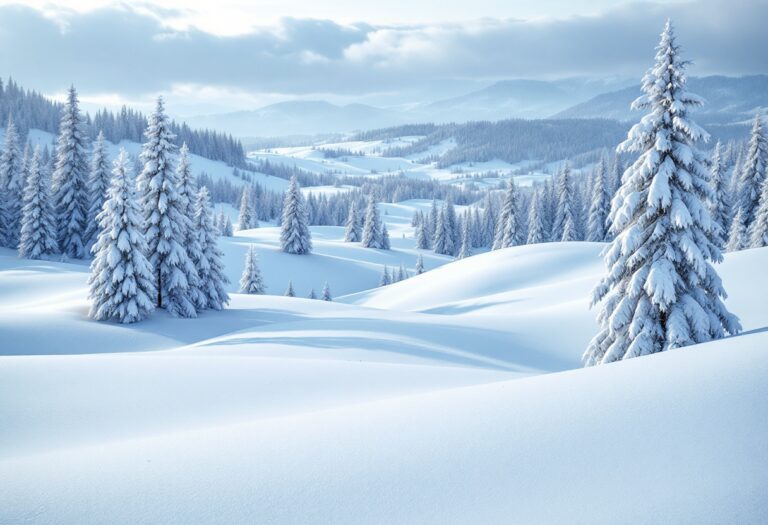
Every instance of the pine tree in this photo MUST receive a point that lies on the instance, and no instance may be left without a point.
(70, 188)
(443, 242)
(352, 232)
(489, 223)
(599, 206)
(326, 292)
(564, 228)
(452, 226)
(121, 281)
(720, 205)
(289, 291)
(384, 237)
(507, 227)
(226, 229)
(245, 218)
(312, 294)
(466, 241)
(208, 260)
(11, 187)
(419, 265)
(372, 226)
(295, 236)
(422, 240)
(165, 224)
(536, 230)
(753, 173)
(98, 185)
(251, 281)
(759, 233)
(38, 228)
(188, 195)
(385, 278)
(737, 235)
(661, 291)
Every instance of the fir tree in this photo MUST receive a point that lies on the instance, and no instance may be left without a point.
(226, 230)
(753, 173)
(385, 278)
(508, 227)
(384, 237)
(121, 281)
(352, 232)
(208, 260)
(759, 233)
(599, 205)
(245, 218)
(251, 281)
(166, 225)
(536, 230)
(98, 185)
(70, 188)
(737, 235)
(443, 242)
(326, 292)
(564, 228)
(372, 226)
(312, 294)
(466, 241)
(38, 228)
(419, 265)
(422, 240)
(11, 187)
(188, 195)
(295, 236)
(289, 291)
(661, 291)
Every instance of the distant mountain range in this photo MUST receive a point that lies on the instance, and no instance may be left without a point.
(729, 99)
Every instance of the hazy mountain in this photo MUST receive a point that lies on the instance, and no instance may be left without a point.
(729, 99)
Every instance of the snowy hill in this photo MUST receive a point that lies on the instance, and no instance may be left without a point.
(422, 402)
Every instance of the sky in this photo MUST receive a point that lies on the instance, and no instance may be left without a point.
(209, 57)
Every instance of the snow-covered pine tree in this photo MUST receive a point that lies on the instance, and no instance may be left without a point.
(507, 227)
(166, 225)
(488, 227)
(753, 173)
(38, 228)
(312, 294)
(352, 232)
(251, 281)
(758, 235)
(227, 230)
(326, 294)
(11, 186)
(599, 205)
(208, 259)
(443, 241)
(720, 205)
(253, 201)
(295, 236)
(372, 226)
(536, 231)
(434, 212)
(98, 185)
(737, 235)
(385, 277)
(385, 245)
(419, 265)
(70, 181)
(452, 225)
(122, 282)
(422, 239)
(188, 195)
(466, 241)
(245, 218)
(564, 227)
(289, 291)
(661, 291)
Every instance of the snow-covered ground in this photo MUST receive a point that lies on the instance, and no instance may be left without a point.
(453, 397)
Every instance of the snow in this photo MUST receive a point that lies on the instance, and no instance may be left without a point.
(452, 397)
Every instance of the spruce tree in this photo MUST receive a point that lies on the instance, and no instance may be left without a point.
(312, 294)
(226, 230)
(720, 205)
(466, 241)
(295, 236)
(289, 291)
(11, 186)
(564, 228)
(443, 242)
(508, 228)
(188, 195)
(759, 233)
(419, 265)
(251, 281)
(422, 239)
(166, 224)
(599, 205)
(208, 260)
(352, 231)
(384, 237)
(536, 230)
(372, 226)
(326, 294)
(661, 291)
(385, 278)
(38, 228)
(753, 173)
(737, 235)
(245, 218)
(98, 185)
(70, 185)
(122, 281)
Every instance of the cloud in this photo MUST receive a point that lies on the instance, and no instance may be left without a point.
(122, 50)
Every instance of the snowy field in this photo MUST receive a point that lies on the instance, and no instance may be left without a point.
(452, 397)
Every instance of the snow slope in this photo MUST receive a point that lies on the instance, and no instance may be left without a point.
(422, 402)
